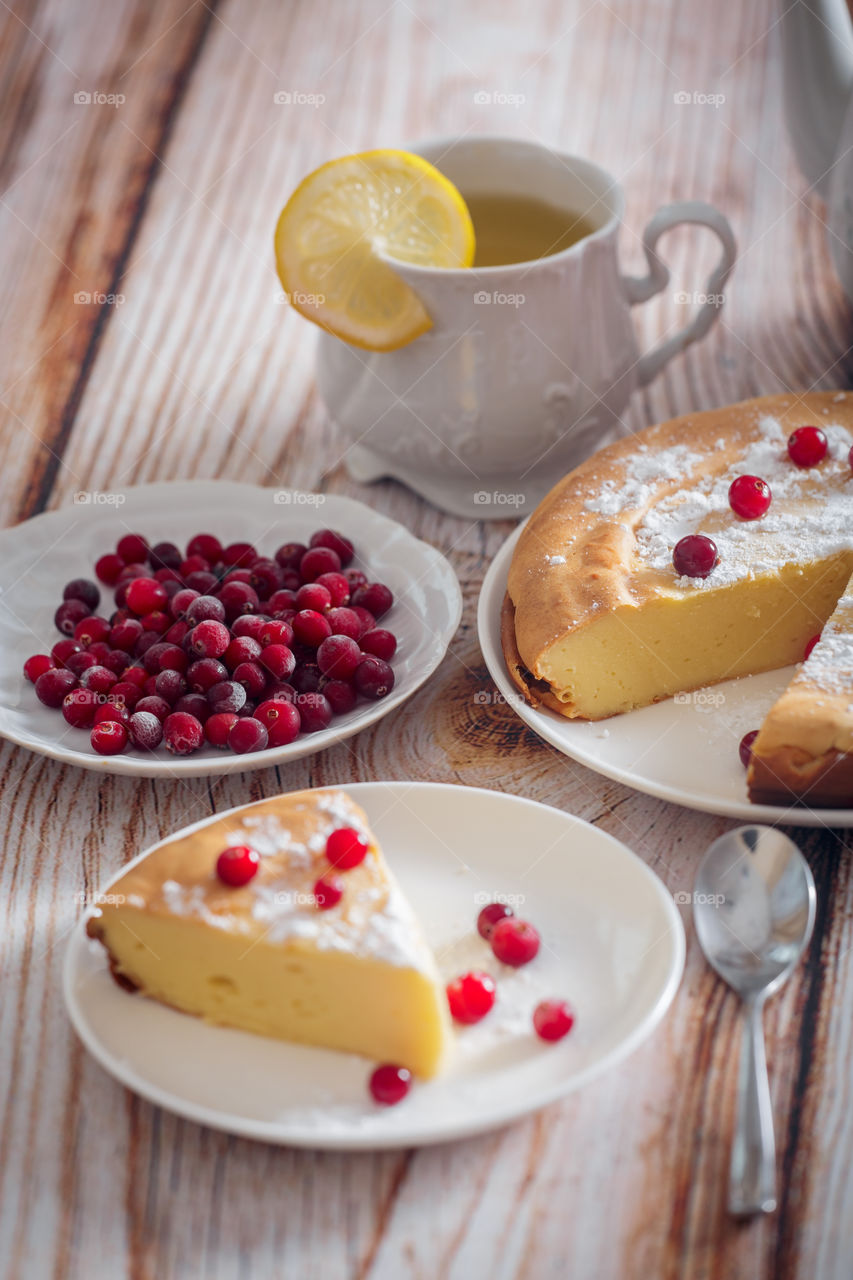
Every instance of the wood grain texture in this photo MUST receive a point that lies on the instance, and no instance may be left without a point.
(170, 199)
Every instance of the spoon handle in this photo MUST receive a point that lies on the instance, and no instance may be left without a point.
(752, 1173)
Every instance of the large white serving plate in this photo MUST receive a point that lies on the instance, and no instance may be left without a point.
(613, 944)
(39, 556)
(683, 750)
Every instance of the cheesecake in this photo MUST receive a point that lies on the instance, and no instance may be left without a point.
(264, 956)
(804, 748)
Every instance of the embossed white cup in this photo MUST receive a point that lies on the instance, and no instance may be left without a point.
(528, 366)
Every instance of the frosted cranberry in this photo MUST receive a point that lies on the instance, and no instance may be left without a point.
(278, 660)
(745, 747)
(237, 865)
(249, 624)
(52, 686)
(241, 649)
(810, 646)
(344, 622)
(375, 596)
(144, 595)
(491, 915)
(374, 678)
(145, 730)
(366, 620)
(306, 678)
(380, 643)
(165, 657)
(181, 601)
(281, 720)
(314, 711)
(37, 665)
(247, 735)
(346, 848)
(338, 657)
(82, 589)
(135, 675)
(89, 631)
(749, 497)
(217, 727)
(69, 614)
(281, 600)
(110, 710)
(694, 556)
(170, 685)
(228, 695)
(177, 633)
(157, 621)
(79, 707)
(251, 676)
(116, 660)
(125, 693)
(124, 635)
(131, 571)
(310, 627)
(389, 1084)
(203, 581)
(335, 541)
(318, 560)
(133, 548)
(205, 609)
(355, 578)
(290, 554)
(154, 706)
(164, 555)
(240, 554)
(514, 942)
(313, 596)
(238, 598)
(471, 997)
(340, 695)
(150, 687)
(146, 641)
(265, 577)
(807, 446)
(274, 631)
(205, 673)
(99, 679)
(108, 567)
(328, 891)
(193, 564)
(553, 1019)
(205, 545)
(182, 733)
(239, 575)
(209, 639)
(337, 587)
(80, 662)
(193, 704)
(63, 650)
(109, 738)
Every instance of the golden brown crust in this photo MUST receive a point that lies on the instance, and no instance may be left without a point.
(790, 775)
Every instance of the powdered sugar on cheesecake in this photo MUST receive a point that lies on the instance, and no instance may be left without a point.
(829, 667)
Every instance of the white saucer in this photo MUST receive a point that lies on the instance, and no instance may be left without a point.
(683, 751)
(39, 556)
(613, 944)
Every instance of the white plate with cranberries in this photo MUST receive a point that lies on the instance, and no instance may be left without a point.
(689, 749)
(560, 949)
(207, 627)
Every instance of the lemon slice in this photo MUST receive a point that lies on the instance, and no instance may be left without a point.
(341, 225)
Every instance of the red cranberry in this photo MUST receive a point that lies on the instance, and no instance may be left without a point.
(154, 706)
(340, 695)
(338, 657)
(344, 622)
(280, 691)
(182, 733)
(280, 600)
(170, 685)
(182, 600)
(745, 747)
(389, 1084)
(328, 891)
(375, 596)
(125, 694)
(239, 575)
(314, 710)
(749, 497)
(164, 555)
(336, 542)
(218, 726)
(471, 997)
(109, 738)
(209, 639)
(252, 677)
(237, 598)
(108, 568)
(553, 1019)
(144, 595)
(241, 649)
(318, 560)
(80, 662)
(125, 634)
(52, 686)
(247, 735)
(115, 661)
(205, 609)
(63, 650)
(275, 631)
(281, 720)
(145, 730)
(112, 711)
(337, 587)
(313, 596)
(807, 446)
(170, 580)
(251, 625)
(135, 675)
(37, 665)
(237, 865)
(205, 673)
(98, 679)
(158, 621)
(100, 650)
(193, 704)
(810, 646)
(355, 578)
(278, 660)
(91, 631)
(202, 581)
(379, 643)
(290, 554)
(69, 614)
(205, 545)
(228, 695)
(514, 942)
(240, 554)
(82, 589)
(306, 678)
(346, 848)
(133, 548)
(310, 627)
(79, 707)
(490, 916)
(374, 678)
(694, 556)
(193, 564)
(177, 633)
(146, 641)
(265, 577)
(366, 620)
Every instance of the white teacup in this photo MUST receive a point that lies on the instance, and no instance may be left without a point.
(528, 366)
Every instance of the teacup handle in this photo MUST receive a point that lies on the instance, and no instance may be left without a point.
(641, 288)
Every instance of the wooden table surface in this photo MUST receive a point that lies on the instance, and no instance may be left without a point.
(167, 197)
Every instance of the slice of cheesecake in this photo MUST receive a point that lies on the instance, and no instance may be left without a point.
(264, 957)
(804, 749)
(597, 621)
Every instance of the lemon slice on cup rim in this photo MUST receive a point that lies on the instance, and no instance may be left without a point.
(344, 224)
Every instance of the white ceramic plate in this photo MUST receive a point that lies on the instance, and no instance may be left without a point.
(613, 944)
(684, 751)
(38, 557)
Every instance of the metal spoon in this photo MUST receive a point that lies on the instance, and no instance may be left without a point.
(754, 909)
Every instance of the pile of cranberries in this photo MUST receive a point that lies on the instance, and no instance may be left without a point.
(218, 645)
